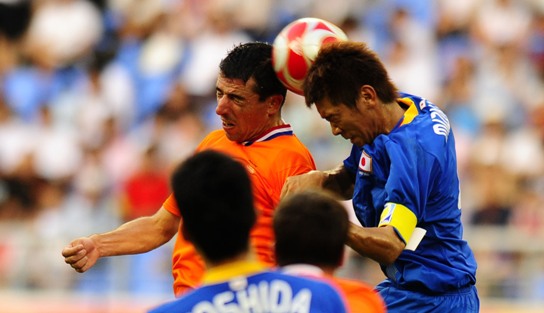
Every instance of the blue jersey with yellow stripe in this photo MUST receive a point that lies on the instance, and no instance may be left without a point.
(408, 179)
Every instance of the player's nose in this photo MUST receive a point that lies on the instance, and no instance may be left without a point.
(336, 130)
(222, 105)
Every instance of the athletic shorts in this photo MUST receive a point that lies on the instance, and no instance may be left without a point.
(397, 300)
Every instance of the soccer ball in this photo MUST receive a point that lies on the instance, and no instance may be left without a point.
(297, 45)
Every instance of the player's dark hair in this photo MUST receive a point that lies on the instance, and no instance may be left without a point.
(214, 196)
(253, 59)
(311, 227)
(341, 68)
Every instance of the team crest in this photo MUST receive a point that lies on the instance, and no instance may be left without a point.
(365, 163)
(388, 211)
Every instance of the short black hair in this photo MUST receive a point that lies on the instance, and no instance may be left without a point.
(253, 59)
(214, 196)
(311, 227)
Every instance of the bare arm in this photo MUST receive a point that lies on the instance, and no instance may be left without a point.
(338, 180)
(381, 244)
(137, 236)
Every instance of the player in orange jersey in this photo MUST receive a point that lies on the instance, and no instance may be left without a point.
(311, 229)
(249, 102)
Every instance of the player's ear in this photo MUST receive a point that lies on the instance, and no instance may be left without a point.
(274, 103)
(367, 95)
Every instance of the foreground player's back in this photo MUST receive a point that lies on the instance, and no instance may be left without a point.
(264, 291)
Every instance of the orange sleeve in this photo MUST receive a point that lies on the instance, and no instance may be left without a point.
(170, 205)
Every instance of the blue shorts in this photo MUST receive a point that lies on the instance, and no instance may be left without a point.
(398, 300)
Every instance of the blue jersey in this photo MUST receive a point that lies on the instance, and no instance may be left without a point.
(408, 179)
(244, 287)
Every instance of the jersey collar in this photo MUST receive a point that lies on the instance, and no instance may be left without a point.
(303, 270)
(282, 130)
(409, 114)
(227, 271)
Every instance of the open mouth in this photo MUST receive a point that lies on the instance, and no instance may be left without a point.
(228, 125)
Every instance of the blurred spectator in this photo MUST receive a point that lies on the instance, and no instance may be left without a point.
(176, 128)
(220, 33)
(536, 41)
(491, 30)
(145, 190)
(119, 153)
(496, 196)
(411, 52)
(14, 20)
(57, 154)
(75, 26)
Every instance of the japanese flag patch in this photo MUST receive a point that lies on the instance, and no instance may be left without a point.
(365, 163)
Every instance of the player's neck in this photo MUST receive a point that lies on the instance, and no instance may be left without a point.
(268, 127)
(393, 114)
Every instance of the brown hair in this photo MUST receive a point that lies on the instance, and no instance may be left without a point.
(339, 71)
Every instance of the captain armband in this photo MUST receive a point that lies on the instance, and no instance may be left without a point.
(404, 221)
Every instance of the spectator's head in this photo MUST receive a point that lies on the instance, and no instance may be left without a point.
(311, 227)
(215, 200)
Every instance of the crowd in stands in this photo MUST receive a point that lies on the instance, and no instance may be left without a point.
(99, 100)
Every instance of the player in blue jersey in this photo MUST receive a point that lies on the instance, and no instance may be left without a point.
(214, 196)
(402, 178)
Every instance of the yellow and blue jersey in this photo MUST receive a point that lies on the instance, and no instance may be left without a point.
(248, 287)
(408, 179)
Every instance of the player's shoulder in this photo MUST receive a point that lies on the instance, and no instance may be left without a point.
(353, 284)
(214, 135)
(215, 139)
(427, 125)
(318, 285)
(283, 148)
(290, 146)
(324, 295)
(360, 296)
(314, 296)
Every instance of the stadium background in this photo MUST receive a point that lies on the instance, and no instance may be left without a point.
(98, 97)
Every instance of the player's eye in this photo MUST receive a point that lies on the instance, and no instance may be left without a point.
(236, 99)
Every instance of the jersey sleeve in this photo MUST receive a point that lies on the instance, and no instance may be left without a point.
(170, 205)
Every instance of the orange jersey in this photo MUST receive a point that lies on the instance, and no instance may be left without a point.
(269, 160)
(359, 297)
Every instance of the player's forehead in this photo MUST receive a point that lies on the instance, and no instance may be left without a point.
(326, 108)
(236, 86)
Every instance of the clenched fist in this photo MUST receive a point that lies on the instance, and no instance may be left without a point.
(81, 254)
